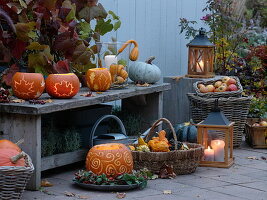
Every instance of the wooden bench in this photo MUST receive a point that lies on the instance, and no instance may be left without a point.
(23, 120)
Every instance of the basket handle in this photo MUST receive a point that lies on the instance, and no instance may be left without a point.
(151, 132)
(91, 142)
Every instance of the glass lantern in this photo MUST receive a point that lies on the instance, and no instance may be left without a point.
(200, 56)
(117, 63)
(215, 133)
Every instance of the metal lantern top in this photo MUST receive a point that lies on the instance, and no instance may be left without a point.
(200, 40)
(216, 117)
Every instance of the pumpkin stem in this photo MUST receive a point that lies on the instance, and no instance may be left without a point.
(20, 141)
(14, 159)
(150, 59)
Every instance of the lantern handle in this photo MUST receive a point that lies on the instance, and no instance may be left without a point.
(91, 142)
(202, 31)
(216, 106)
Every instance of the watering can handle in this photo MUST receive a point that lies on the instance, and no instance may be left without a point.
(91, 142)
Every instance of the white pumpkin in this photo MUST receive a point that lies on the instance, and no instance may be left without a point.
(144, 71)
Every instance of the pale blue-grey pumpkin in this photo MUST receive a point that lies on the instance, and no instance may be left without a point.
(144, 71)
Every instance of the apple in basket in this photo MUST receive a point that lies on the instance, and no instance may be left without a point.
(204, 89)
(211, 88)
(218, 84)
(200, 86)
(225, 79)
(232, 87)
(231, 81)
(222, 88)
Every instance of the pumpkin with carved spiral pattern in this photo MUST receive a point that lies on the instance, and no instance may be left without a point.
(98, 79)
(111, 159)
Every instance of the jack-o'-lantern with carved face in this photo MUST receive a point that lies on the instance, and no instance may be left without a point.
(62, 86)
(28, 85)
(98, 79)
(111, 159)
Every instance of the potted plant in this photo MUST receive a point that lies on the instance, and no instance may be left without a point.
(52, 36)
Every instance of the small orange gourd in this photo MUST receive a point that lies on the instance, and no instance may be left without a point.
(160, 143)
(134, 53)
(110, 159)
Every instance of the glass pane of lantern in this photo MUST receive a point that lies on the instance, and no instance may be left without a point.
(197, 60)
(214, 141)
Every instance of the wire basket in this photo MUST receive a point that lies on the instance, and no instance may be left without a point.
(183, 161)
(235, 109)
(225, 94)
(13, 180)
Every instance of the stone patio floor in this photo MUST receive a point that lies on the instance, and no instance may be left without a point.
(246, 179)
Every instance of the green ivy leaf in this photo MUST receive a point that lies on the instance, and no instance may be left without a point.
(85, 30)
(72, 13)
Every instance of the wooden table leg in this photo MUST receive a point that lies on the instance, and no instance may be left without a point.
(17, 126)
(150, 107)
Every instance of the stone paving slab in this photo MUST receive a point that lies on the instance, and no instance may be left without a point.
(246, 180)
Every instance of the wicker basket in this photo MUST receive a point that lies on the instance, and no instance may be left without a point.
(13, 180)
(183, 161)
(234, 108)
(225, 94)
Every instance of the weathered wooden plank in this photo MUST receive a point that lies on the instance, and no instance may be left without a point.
(80, 101)
(175, 101)
(62, 159)
(15, 127)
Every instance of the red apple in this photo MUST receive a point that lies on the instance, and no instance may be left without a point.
(220, 89)
(231, 81)
(211, 88)
(232, 87)
(200, 85)
(263, 123)
(225, 79)
(218, 84)
(204, 89)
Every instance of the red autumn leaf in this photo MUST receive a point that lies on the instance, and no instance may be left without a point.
(49, 4)
(62, 66)
(19, 49)
(65, 43)
(5, 55)
(8, 74)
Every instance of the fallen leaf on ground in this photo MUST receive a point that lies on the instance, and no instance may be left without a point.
(17, 101)
(252, 158)
(143, 85)
(46, 183)
(263, 158)
(87, 94)
(83, 197)
(48, 101)
(69, 194)
(99, 92)
(120, 195)
(167, 192)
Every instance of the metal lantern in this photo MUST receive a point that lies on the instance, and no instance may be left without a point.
(200, 56)
(215, 133)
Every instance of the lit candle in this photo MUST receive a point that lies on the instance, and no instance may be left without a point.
(110, 59)
(200, 66)
(209, 154)
(218, 147)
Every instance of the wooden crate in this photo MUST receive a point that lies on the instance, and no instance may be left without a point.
(256, 136)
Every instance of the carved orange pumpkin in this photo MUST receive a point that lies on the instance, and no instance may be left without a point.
(28, 85)
(62, 86)
(98, 79)
(110, 159)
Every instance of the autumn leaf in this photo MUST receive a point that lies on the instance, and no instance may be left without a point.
(93, 12)
(69, 194)
(46, 183)
(8, 74)
(5, 55)
(103, 27)
(120, 195)
(17, 101)
(167, 192)
(49, 4)
(62, 66)
(25, 31)
(18, 49)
